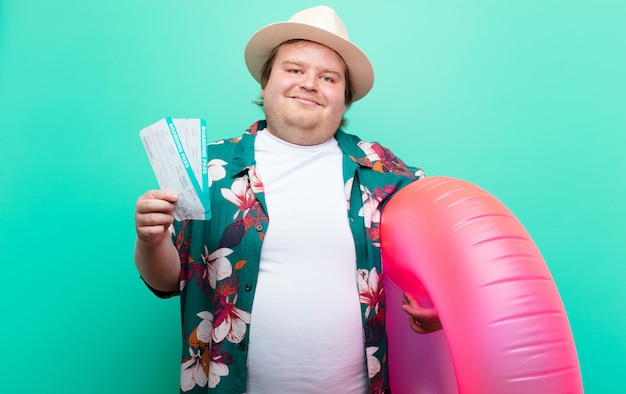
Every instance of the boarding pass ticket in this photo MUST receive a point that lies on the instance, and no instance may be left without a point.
(178, 152)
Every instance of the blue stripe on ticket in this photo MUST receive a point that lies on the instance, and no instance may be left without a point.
(204, 197)
(204, 155)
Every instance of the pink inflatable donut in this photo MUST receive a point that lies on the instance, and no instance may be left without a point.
(450, 244)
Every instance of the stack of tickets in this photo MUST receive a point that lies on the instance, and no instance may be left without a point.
(177, 150)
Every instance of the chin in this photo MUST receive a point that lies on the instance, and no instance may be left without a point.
(303, 122)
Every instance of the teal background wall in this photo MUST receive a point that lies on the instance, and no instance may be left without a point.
(526, 99)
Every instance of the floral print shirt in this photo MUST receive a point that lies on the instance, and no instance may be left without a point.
(220, 259)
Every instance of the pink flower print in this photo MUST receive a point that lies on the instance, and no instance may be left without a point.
(370, 290)
(241, 195)
(370, 152)
(230, 321)
(255, 181)
(383, 160)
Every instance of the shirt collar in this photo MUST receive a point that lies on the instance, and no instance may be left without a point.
(351, 147)
(244, 150)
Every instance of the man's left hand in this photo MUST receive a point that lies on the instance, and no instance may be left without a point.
(422, 320)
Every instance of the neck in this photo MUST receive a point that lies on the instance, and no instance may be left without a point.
(299, 135)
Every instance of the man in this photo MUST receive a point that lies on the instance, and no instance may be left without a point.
(281, 290)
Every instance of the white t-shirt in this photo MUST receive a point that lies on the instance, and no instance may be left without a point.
(306, 332)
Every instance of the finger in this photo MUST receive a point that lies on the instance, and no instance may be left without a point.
(149, 226)
(418, 327)
(150, 234)
(161, 195)
(407, 299)
(154, 219)
(150, 205)
(422, 320)
(420, 313)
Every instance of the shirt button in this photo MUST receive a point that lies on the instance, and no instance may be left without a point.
(242, 345)
(248, 287)
(259, 227)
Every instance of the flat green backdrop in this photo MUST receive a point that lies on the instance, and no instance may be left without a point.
(526, 99)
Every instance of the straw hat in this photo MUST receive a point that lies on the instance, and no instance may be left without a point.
(319, 24)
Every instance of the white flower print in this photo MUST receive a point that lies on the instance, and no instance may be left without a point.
(369, 211)
(241, 195)
(373, 364)
(192, 372)
(205, 327)
(216, 371)
(347, 189)
(218, 266)
(216, 170)
(369, 293)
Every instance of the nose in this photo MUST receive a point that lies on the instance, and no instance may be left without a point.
(309, 82)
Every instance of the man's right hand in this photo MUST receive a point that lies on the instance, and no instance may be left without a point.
(154, 215)
(156, 256)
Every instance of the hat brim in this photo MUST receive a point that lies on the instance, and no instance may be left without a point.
(263, 42)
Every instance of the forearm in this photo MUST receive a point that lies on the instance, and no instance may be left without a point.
(158, 264)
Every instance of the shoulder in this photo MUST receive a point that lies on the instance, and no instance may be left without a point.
(242, 141)
(375, 156)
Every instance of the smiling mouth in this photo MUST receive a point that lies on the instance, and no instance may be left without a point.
(305, 100)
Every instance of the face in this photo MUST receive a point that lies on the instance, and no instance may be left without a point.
(304, 98)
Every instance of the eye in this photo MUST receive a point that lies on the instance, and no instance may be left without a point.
(327, 78)
(294, 71)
